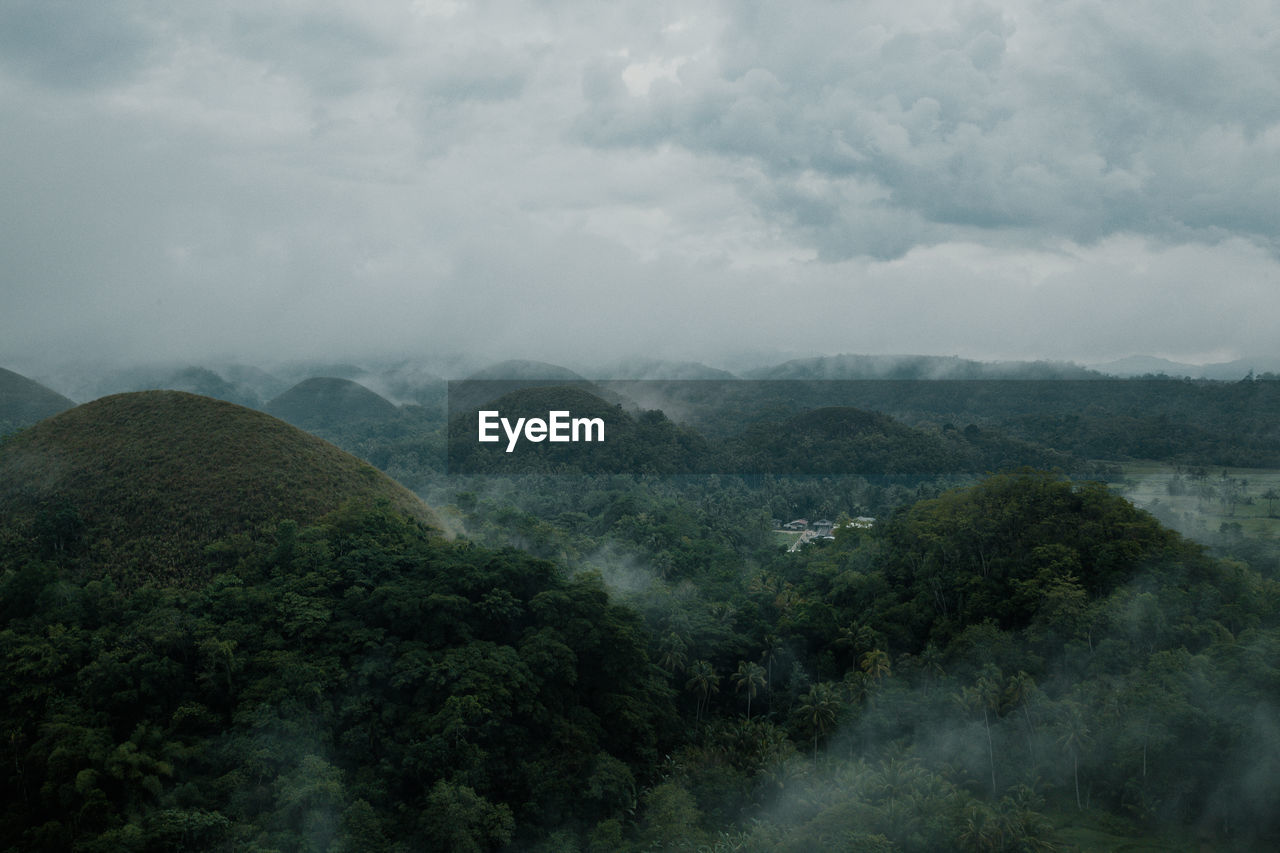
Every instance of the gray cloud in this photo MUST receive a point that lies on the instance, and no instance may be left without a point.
(231, 178)
(66, 44)
(1041, 121)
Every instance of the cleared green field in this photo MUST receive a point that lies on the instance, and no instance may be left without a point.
(1199, 499)
(786, 537)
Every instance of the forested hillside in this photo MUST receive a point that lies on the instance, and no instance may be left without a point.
(967, 661)
(356, 684)
(24, 402)
(999, 667)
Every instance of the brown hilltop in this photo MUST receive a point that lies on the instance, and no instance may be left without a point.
(143, 482)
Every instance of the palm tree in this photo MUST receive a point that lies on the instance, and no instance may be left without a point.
(749, 677)
(899, 786)
(875, 664)
(981, 829)
(673, 656)
(931, 666)
(704, 681)
(985, 696)
(1020, 690)
(819, 710)
(1074, 737)
(857, 686)
(772, 648)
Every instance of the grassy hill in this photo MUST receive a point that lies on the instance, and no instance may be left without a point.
(144, 481)
(24, 401)
(325, 402)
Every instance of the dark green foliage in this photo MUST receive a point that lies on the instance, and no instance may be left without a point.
(24, 402)
(1012, 548)
(339, 686)
(845, 440)
(1019, 664)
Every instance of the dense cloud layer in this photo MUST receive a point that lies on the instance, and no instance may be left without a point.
(879, 127)
(1063, 180)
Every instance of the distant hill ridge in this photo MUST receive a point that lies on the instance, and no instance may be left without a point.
(659, 369)
(146, 480)
(329, 401)
(24, 401)
(1227, 371)
(522, 369)
(916, 367)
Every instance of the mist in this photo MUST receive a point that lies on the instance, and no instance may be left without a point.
(232, 197)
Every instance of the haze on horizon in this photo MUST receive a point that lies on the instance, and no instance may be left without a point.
(238, 181)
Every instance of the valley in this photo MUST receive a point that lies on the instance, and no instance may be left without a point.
(223, 632)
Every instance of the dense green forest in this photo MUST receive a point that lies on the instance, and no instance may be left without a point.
(579, 662)
(356, 685)
(1024, 644)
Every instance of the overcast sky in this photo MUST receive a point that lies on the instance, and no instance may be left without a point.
(243, 180)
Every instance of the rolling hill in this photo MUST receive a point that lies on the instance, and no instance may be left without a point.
(144, 482)
(660, 369)
(326, 402)
(24, 401)
(523, 369)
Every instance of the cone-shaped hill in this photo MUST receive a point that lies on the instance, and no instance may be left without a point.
(141, 483)
(24, 401)
(650, 369)
(523, 369)
(202, 381)
(324, 402)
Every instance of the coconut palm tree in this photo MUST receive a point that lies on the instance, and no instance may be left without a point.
(819, 710)
(1019, 692)
(772, 648)
(1074, 737)
(704, 681)
(875, 664)
(985, 696)
(673, 657)
(750, 677)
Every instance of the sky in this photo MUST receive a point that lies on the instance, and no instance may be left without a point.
(245, 181)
